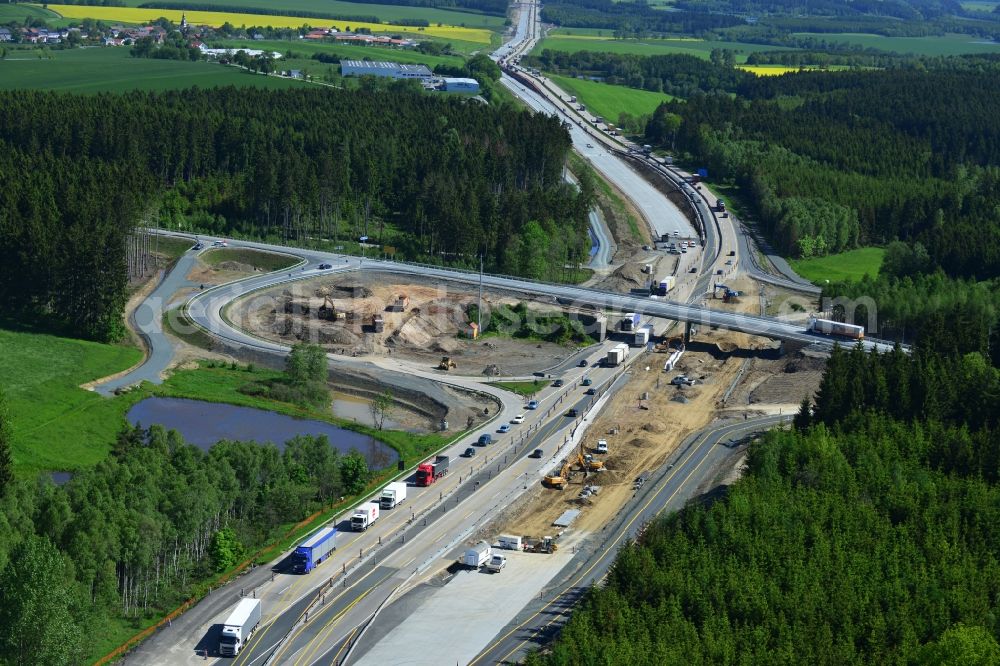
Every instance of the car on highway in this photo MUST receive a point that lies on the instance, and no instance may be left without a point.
(504, 428)
(517, 420)
(220, 244)
(324, 267)
(557, 383)
(587, 381)
(469, 452)
(532, 404)
(573, 412)
(718, 272)
(198, 246)
(693, 270)
(591, 391)
(485, 439)
(582, 363)
(537, 453)
(590, 145)
(682, 380)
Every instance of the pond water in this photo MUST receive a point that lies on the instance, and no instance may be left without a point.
(205, 423)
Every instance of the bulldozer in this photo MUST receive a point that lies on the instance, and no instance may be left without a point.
(558, 481)
(447, 364)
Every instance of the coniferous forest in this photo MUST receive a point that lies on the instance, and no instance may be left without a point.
(866, 535)
(443, 180)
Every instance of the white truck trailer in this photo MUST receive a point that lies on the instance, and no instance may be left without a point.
(393, 495)
(364, 516)
(239, 626)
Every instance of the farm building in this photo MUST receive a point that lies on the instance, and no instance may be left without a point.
(386, 69)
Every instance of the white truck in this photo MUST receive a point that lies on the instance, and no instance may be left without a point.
(477, 555)
(364, 516)
(393, 495)
(617, 355)
(239, 626)
(665, 284)
(641, 337)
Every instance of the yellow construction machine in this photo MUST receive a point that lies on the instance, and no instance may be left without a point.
(558, 481)
(447, 364)
(587, 462)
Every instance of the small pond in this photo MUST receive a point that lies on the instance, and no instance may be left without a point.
(205, 423)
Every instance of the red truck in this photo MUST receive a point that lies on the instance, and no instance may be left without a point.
(430, 472)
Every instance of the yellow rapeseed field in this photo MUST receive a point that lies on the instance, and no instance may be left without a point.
(771, 70)
(215, 19)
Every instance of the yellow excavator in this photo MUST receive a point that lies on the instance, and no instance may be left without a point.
(587, 462)
(447, 364)
(558, 481)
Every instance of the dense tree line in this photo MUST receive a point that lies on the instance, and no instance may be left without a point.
(171, 49)
(869, 535)
(833, 159)
(441, 179)
(130, 537)
(676, 74)
(64, 225)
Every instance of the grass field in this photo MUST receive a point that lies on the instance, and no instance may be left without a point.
(386, 13)
(56, 424)
(931, 46)
(19, 12)
(112, 69)
(215, 19)
(608, 100)
(852, 265)
(589, 40)
(265, 261)
(526, 389)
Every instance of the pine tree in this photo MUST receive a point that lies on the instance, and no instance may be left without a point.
(6, 441)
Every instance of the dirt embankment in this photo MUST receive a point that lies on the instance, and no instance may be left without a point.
(371, 315)
(642, 433)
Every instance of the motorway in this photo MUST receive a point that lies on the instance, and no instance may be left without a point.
(679, 480)
(316, 618)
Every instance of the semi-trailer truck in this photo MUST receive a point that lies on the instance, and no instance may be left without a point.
(828, 327)
(665, 284)
(630, 321)
(617, 355)
(364, 516)
(239, 626)
(314, 550)
(393, 495)
(430, 472)
(641, 337)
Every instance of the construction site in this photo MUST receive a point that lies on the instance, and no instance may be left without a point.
(431, 324)
(734, 377)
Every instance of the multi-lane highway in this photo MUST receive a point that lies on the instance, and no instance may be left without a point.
(317, 618)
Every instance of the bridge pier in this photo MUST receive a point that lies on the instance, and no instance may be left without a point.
(688, 330)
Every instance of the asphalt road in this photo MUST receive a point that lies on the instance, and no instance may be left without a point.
(147, 319)
(207, 308)
(669, 489)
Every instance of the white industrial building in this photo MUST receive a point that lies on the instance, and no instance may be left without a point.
(391, 70)
(460, 85)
